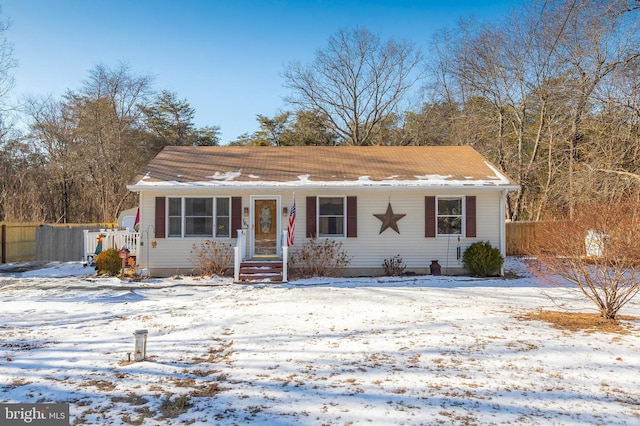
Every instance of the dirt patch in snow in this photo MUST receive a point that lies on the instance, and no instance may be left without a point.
(587, 322)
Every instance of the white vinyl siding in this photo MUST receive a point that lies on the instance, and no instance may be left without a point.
(368, 250)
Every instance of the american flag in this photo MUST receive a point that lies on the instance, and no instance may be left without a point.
(292, 223)
(136, 222)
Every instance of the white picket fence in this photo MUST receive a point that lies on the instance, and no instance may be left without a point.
(112, 239)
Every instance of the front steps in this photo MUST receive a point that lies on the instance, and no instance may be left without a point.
(260, 271)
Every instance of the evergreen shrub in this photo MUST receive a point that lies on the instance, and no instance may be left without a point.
(108, 262)
(482, 260)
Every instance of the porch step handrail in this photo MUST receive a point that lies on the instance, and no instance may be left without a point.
(239, 253)
(285, 257)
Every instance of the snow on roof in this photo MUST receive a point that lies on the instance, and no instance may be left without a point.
(303, 166)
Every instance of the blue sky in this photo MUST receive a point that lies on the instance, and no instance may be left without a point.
(225, 57)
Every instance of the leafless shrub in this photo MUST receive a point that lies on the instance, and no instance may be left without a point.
(394, 267)
(212, 258)
(319, 258)
(597, 252)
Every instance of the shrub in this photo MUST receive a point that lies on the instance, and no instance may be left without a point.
(108, 262)
(212, 258)
(394, 267)
(606, 273)
(482, 260)
(319, 258)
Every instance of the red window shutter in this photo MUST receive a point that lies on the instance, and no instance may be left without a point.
(470, 216)
(160, 217)
(352, 217)
(236, 216)
(311, 217)
(430, 217)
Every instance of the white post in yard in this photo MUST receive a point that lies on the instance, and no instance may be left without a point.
(140, 345)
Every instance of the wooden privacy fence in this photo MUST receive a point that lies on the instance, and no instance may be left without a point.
(29, 241)
(62, 243)
(18, 241)
(520, 236)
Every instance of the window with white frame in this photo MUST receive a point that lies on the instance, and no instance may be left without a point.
(331, 216)
(223, 217)
(199, 217)
(449, 215)
(175, 217)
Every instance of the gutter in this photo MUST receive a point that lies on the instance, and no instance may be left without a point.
(315, 186)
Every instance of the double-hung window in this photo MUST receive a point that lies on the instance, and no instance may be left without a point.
(331, 216)
(449, 215)
(199, 217)
(175, 217)
(223, 217)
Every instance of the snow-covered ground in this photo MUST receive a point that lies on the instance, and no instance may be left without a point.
(406, 351)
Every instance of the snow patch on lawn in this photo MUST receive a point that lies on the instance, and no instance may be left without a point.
(386, 350)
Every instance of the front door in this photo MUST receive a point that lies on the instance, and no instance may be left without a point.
(265, 228)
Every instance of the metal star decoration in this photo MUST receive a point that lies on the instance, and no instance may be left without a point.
(389, 220)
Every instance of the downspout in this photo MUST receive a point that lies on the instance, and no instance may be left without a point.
(502, 226)
(139, 239)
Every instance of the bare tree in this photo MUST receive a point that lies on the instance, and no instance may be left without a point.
(109, 128)
(495, 70)
(7, 63)
(12, 170)
(595, 39)
(53, 134)
(93, 143)
(597, 253)
(20, 177)
(357, 81)
(528, 92)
